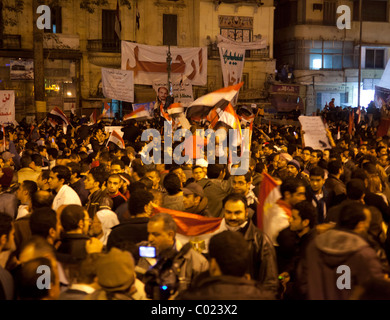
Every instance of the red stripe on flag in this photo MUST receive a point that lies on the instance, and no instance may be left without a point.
(191, 224)
(268, 185)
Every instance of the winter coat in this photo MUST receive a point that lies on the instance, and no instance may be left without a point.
(319, 273)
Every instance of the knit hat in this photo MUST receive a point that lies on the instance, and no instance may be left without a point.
(6, 179)
(294, 163)
(193, 188)
(115, 270)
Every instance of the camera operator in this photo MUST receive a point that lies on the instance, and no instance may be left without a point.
(162, 236)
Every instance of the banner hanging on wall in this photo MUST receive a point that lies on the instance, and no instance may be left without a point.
(149, 63)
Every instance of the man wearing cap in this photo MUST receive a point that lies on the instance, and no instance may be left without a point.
(194, 200)
(116, 277)
(282, 171)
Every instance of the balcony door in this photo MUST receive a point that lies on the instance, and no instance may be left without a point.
(110, 40)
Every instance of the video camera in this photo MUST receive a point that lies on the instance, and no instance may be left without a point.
(162, 280)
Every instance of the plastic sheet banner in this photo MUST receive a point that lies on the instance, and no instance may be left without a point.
(118, 84)
(149, 63)
(314, 132)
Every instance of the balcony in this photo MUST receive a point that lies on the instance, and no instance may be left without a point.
(100, 45)
(259, 54)
(11, 42)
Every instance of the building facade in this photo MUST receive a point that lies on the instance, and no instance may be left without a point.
(79, 43)
(324, 57)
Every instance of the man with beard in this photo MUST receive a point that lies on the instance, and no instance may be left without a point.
(262, 266)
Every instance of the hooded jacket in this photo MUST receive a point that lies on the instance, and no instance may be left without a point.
(319, 273)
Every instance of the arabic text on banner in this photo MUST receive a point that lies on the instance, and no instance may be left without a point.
(232, 62)
(253, 45)
(118, 84)
(149, 63)
(315, 132)
(182, 93)
(7, 106)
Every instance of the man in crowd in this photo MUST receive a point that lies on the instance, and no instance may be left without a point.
(58, 181)
(262, 264)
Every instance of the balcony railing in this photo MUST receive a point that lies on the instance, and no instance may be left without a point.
(213, 53)
(100, 45)
(11, 41)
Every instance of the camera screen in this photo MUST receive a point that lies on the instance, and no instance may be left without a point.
(147, 252)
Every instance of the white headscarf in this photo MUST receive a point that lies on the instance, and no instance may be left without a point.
(108, 219)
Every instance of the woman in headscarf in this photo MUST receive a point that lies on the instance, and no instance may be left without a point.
(102, 223)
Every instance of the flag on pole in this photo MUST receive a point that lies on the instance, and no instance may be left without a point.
(93, 117)
(139, 114)
(116, 139)
(194, 228)
(106, 108)
(359, 113)
(220, 98)
(57, 113)
(175, 108)
(118, 25)
(268, 195)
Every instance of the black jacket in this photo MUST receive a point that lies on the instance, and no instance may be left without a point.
(95, 200)
(133, 230)
(225, 288)
(263, 265)
(72, 249)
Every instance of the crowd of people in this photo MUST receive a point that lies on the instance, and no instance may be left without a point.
(85, 208)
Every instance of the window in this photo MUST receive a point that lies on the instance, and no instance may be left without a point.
(372, 10)
(334, 55)
(286, 14)
(56, 20)
(375, 58)
(170, 29)
(329, 13)
(110, 39)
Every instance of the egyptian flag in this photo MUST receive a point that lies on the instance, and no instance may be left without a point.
(247, 119)
(194, 228)
(93, 117)
(139, 114)
(359, 113)
(57, 114)
(220, 98)
(268, 195)
(116, 139)
(118, 25)
(175, 108)
(106, 108)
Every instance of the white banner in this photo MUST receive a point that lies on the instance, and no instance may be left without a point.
(149, 63)
(118, 84)
(254, 45)
(314, 132)
(118, 129)
(182, 93)
(7, 106)
(232, 63)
